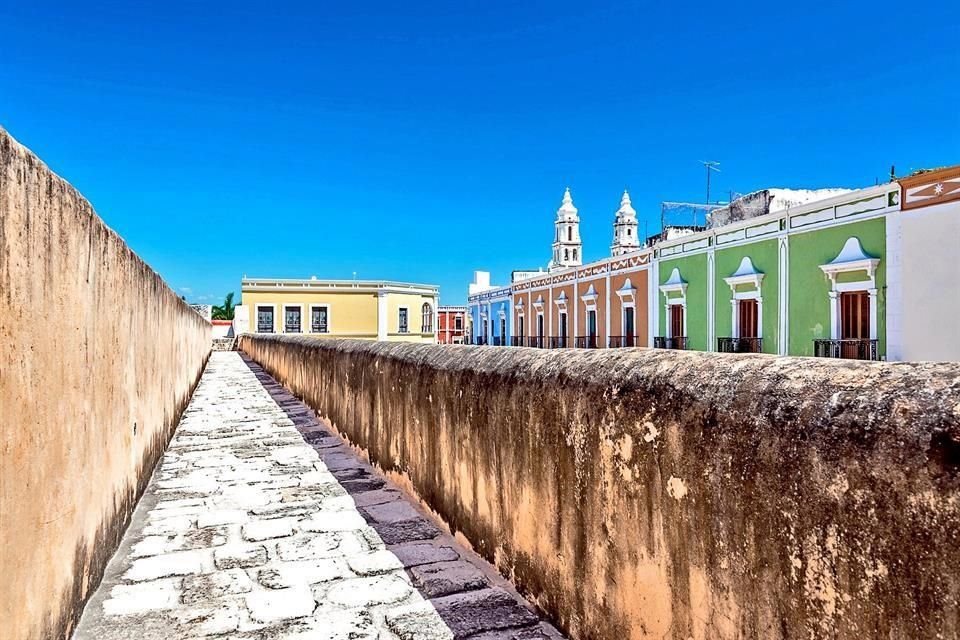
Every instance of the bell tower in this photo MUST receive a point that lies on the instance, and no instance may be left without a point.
(567, 246)
(625, 237)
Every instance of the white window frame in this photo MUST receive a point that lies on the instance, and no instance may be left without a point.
(329, 319)
(292, 306)
(431, 330)
(628, 296)
(746, 274)
(851, 258)
(256, 314)
(674, 284)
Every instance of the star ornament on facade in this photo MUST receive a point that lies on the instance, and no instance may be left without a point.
(938, 189)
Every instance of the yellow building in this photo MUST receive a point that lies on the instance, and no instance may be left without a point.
(362, 309)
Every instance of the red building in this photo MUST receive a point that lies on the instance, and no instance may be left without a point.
(452, 325)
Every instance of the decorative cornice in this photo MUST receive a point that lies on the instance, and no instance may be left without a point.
(928, 189)
(746, 273)
(674, 283)
(851, 258)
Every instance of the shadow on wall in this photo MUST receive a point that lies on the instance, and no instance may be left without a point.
(662, 494)
(91, 391)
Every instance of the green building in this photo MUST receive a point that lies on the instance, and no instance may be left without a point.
(798, 279)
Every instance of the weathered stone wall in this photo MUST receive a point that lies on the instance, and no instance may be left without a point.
(98, 358)
(664, 494)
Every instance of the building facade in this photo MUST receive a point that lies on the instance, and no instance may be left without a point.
(362, 309)
(867, 274)
(923, 273)
(452, 325)
(807, 280)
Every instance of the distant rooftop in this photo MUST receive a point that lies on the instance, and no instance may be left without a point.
(250, 284)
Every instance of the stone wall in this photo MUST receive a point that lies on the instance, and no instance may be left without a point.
(98, 358)
(664, 494)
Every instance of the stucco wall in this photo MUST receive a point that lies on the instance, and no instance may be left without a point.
(765, 257)
(663, 494)
(97, 359)
(930, 276)
(693, 270)
(809, 308)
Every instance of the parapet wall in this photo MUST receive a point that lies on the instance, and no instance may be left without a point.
(98, 358)
(664, 494)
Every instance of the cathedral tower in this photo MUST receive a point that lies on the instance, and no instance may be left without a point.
(625, 237)
(567, 246)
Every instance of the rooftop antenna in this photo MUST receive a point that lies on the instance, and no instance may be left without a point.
(711, 165)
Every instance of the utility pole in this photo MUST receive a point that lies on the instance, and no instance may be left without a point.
(711, 165)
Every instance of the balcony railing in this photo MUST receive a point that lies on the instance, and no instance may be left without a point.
(317, 327)
(518, 341)
(497, 341)
(849, 349)
(481, 340)
(676, 342)
(740, 345)
(587, 342)
(538, 342)
(559, 342)
(617, 342)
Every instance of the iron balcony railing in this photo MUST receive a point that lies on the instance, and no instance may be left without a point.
(617, 342)
(740, 345)
(481, 340)
(318, 327)
(538, 342)
(851, 349)
(518, 341)
(676, 342)
(499, 342)
(559, 342)
(587, 342)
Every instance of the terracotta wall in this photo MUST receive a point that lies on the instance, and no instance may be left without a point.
(664, 494)
(98, 357)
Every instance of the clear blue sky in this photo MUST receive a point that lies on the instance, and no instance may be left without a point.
(420, 142)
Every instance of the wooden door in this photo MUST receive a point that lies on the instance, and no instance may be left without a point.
(676, 321)
(747, 317)
(854, 322)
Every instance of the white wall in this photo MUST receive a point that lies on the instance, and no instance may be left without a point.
(930, 282)
(241, 319)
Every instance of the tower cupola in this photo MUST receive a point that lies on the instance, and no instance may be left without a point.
(625, 237)
(567, 246)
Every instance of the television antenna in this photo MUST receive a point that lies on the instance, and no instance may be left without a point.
(711, 165)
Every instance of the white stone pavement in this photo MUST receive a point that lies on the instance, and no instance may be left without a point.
(245, 533)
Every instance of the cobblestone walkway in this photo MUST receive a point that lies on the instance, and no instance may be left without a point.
(260, 523)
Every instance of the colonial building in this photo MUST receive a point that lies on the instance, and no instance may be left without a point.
(489, 311)
(364, 309)
(923, 273)
(868, 274)
(452, 325)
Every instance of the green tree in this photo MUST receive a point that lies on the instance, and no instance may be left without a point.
(224, 311)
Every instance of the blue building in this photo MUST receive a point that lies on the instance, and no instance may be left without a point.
(490, 311)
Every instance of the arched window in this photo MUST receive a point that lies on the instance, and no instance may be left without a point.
(629, 232)
(566, 254)
(427, 324)
(574, 255)
(570, 233)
